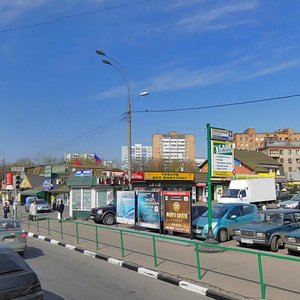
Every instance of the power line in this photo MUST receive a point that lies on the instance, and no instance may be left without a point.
(104, 127)
(58, 19)
(218, 105)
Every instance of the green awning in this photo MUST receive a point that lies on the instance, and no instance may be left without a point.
(32, 192)
(85, 181)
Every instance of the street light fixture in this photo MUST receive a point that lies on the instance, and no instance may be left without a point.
(121, 69)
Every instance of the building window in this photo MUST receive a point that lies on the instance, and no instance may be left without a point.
(282, 160)
(298, 160)
(281, 152)
(289, 152)
(241, 138)
(290, 169)
(298, 152)
(289, 160)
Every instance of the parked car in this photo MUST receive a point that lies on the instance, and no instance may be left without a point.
(198, 210)
(270, 230)
(225, 217)
(294, 202)
(12, 234)
(105, 214)
(42, 205)
(18, 280)
(283, 195)
(292, 242)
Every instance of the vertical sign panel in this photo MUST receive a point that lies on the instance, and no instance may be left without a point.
(126, 207)
(222, 158)
(148, 213)
(177, 211)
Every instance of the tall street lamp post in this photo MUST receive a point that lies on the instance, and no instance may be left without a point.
(120, 68)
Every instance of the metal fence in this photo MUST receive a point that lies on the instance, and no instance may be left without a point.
(46, 224)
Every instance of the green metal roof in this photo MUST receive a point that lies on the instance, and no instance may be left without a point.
(78, 181)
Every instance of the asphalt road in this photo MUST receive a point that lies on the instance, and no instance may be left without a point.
(66, 274)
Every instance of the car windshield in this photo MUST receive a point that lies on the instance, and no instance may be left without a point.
(217, 212)
(41, 202)
(9, 225)
(113, 202)
(296, 197)
(271, 217)
(231, 193)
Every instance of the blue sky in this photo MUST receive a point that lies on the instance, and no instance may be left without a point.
(57, 96)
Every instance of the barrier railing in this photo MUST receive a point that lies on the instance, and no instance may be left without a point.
(154, 237)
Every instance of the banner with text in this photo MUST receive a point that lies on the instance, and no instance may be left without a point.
(148, 212)
(177, 212)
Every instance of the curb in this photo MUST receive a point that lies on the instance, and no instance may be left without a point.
(204, 291)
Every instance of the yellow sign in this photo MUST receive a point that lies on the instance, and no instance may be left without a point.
(168, 176)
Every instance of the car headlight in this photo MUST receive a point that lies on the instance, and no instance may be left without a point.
(292, 205)
(291, 240)
(260, 234)
(236, 232)
(99, 211)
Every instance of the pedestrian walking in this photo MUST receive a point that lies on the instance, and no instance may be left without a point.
(6, 210)
(54, 205)
(60, 210)
(33, 210)
(15, 207)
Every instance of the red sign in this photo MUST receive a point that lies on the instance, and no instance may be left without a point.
(9, 178)
(137, 176)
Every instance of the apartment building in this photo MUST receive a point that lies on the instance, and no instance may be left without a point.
(173, 146)
(287, 153)
(140, 154)
(252, 140)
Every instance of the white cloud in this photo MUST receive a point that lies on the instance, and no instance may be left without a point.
(216, 18)
(273, 68)
(11, 9)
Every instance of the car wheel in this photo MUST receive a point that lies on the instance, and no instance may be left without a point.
(108, 219)
(263, 206)
(222, 235)
(274, 244)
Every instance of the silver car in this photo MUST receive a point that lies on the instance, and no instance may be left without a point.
(12, 235)
(42, 205)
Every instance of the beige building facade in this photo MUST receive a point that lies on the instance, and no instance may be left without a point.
(173, 146)
(252, 140)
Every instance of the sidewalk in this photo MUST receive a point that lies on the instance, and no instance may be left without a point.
(231, 273)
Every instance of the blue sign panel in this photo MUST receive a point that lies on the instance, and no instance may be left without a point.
(83, 173)
(126, 207)
(148, 212)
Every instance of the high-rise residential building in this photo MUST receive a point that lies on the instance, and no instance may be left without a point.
(140, 154)
(173, 146)
(252, 140)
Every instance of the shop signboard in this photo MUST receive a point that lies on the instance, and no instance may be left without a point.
(181, 176)
(126, 207)
(177, 211)
(148, 209)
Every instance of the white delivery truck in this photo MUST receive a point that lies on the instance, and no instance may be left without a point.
(259, 191)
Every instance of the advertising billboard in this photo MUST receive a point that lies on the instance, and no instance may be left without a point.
(222, 158)
(126, 207)
(148, 209)
(177, 212)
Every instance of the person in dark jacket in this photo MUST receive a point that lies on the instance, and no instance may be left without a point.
(60, 210)
(6, 210)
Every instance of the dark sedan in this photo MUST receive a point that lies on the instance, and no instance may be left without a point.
(270, 229)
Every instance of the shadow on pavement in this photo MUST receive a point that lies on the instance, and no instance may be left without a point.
(32, 252)
(50, 296)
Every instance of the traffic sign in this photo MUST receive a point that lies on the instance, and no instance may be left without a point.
(17, 169)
